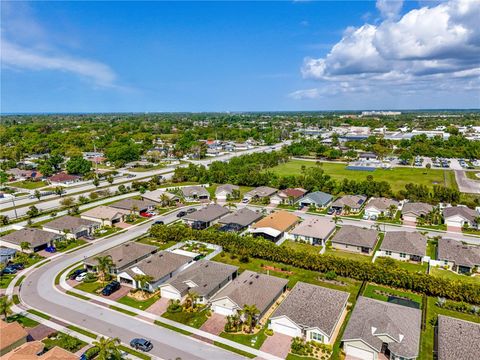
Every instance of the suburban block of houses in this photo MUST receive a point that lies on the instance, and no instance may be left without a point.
(311, 312)
(249, 288)
(404, 245)
(274, 226)
(71, 226)
(355, 239)
(379, 329)
(313, 230)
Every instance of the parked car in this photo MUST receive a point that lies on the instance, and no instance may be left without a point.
(365, 217)
(18, 266)
(330, 211)
(9, 270)
(141, 344)
(191, 210)
(81, 277)
(181, 214)
(129, 176)
(158, 222)
(244, 201)
(146, 214)
(50, 249)
(111, 288)
(76, 273)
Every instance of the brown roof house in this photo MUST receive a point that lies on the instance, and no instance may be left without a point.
(249, 288)
(63, 179)
(38, 239)
(12, 335)
(259, 193)
(288, 196)
(310, 311)
(71, 226)
(275, 225)
(105, 215)
(315, 230)
(134, 205)
(411, 211)
(379, 328)
(404, 245)
(355, 239)
(457, 256)
(35, 350)
(457, 339)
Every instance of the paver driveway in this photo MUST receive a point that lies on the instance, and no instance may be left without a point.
(215, 324)
(124, 290)
(278, 345)
(158, 307)
(40, 332)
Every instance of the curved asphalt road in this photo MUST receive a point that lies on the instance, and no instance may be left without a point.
(38, 292)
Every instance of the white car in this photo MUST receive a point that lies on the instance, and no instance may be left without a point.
(81, 277)
(365, 217)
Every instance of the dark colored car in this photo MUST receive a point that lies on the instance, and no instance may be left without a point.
(141, 344)
(158, 222)
(76, 273)
(50, 249)
(330, 211)
(191, 210)
(9, 270)
(181, 214)
(111, 288)
(18, 266)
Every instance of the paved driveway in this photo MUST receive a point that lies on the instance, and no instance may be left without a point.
(158, 307)
(40, 332)
(124, 290)
(215, 324)
(277, 344)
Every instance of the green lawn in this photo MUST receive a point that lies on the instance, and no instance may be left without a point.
(90, 287)
(427, 336)
(431, 249)
(119, 309)
(135, 353)
(254, 341)
(142, 305)
(30, 185)
(39, 314)
(397, 177)
(193, 319)
(294, 275)
(371, 291)
(472, 175)
(55, 340)
(173, 328)
(147, 168)
(23, 320)
(232, 349)
(412, 267)
(295, 245)
(434, 271)
(82, 331)
(80, 296)
(72, 245)
(6, 280)
(348, 255)
(151, 241)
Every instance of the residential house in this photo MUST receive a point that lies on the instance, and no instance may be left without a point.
(105, 215)
(249, 288)
(194, 193)
(411, 211)
(6, 255)
(368, 156)
(311, 312)
(160, 266)
(380, 207)
(35, 350)
(12, 335)
(204, 278)
(288, 196)
(457, 339)
(457, 217)
(379, 330)
(38, 239)
(259, 193)
(156, 196)
(349, 203)
(315, 230)
(123, 256)
(317, 199)
(355, 239)
(71, 226)
(225, 192)
(63, 179)
(275, 225)
(133, 205)
(404, 245)
(205, 217)
(21, 174)
(457, 256)
(239, 220)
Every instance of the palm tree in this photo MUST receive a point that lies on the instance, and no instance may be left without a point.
(142, 280)
(164, 200)
(25, 246)
(250, 313)
(337, 219)
(347, 209)
(5, 306)
(107, 348)
(392, 210)
(104, 264)
(191, 300)
(230, 205)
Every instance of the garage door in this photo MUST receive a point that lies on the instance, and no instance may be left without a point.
(284, 329)
(222, 310)
(358, 353)
(82, 233)
(167, 294)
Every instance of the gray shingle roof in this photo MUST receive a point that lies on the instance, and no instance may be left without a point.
(227, 187)
(207, 275)
(159, 264)
(353, 201)
(408, 242)
(251, 288)
(311, 306)
(458, 339)
(356, 236)
(35, 237)
(459, 253)
(381, 204)
(462, 211)
(316, 227)
(261, 191)
(207, 214)
(400, 322)
(189, 191)
(317, 197)
(130, 204)
(124, 254)
(416, 208)
(242, 217)
(156, 194)
(71, 223)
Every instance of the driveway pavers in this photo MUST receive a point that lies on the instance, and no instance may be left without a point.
(277, 344)
(158, 307)
(40, 332)
(215, 324)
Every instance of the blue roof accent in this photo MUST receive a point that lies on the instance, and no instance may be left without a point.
(318, 197)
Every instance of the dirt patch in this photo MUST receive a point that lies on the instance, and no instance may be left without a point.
(333, 282)
(272, 268)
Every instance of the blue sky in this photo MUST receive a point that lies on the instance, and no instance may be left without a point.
(233, 56)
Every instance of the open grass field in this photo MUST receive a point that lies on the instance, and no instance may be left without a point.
(348, 255)
(193, 319)
(447, 274)
(397, 177)
(30, 185)
(298, 246)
